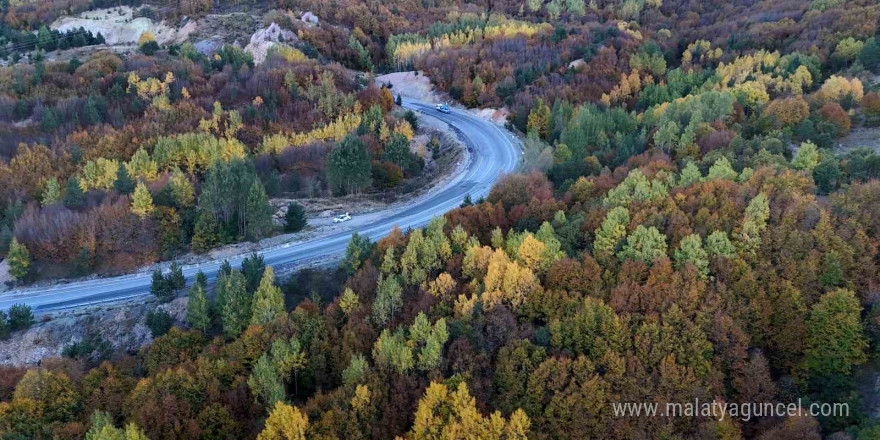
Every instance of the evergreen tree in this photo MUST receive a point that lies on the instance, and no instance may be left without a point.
(357, 250)
(295, 219)
(198, 308)
(4, 326)
(124, 184)
(159, 322)
(234, 303)
(73, 194)
(175, 278)
(348, 166)
(20, 317)
(253, 268)
(268, 301)
(159, 287)
(258, 212)
(206, 235)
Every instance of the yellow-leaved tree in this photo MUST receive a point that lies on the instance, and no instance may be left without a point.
(445, 415)
(285, 423)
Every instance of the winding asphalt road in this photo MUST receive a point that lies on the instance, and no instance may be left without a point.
(494, 152)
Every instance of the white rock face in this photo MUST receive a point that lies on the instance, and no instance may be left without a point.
(311, 19)
(118, 26)
(263, 40)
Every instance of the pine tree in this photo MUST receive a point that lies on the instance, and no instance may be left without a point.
(198, 308)
(142, 201)
(159, 287)
(73, 193)
(348, 166)
(268, 303)
(124, 184)
(258, 212)
(52, 193)
(175, 278)
(206, 235)
(295, 218)
(234, 303)
(20, 317)
(4, 326)
(19, 260)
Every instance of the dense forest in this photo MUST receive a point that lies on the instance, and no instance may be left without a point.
(688, 224)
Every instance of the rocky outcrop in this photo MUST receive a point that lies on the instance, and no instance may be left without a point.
(264, 39)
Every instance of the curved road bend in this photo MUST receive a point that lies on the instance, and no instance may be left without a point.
(494, 153)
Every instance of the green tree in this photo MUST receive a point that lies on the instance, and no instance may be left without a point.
(4, 326)
(73, 193)
(258, 212)
(206, 234)
(253, 268)
(159, 322)
(20, 317)
(295, 218)
(718, 244)
(612, 230)
(356, 252)
(690, 250)
(234, 303)
(807, 157)
(175, 278)
(268, 303)
(124, 184)
(721, 169)
(52, 193)
(690, 175)
(265, 382)
(835, 339)
(19, 260)
(388, 300)
(160, 288)
(348, 166)
(644, 244)
(198, 308)
(141, 201)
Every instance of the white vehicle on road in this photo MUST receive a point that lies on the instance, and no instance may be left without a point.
(342, 218)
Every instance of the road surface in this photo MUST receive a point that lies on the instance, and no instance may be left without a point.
(494, 152)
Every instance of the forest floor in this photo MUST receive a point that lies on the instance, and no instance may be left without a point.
(860, 137)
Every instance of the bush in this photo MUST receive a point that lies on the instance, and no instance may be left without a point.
(149, 48)
(295, 219)
(20, 317)
(159, 322)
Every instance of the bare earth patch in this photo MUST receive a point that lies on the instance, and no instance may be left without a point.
(860, 137)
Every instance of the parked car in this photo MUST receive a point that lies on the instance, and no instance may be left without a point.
(342, 218)
(442, 108)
